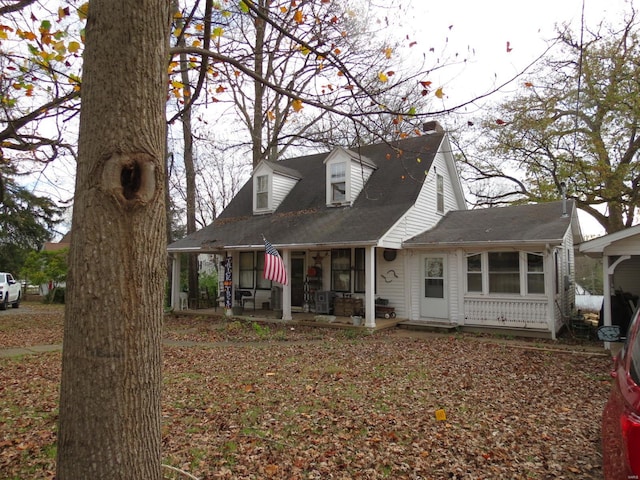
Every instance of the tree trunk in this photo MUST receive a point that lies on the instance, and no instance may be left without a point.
(189, 170)
(109, 425)
(258, 87)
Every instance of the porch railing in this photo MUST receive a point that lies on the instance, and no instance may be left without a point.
(507, 312)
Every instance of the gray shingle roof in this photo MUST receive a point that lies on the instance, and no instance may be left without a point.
(541, 223)
(303, 217)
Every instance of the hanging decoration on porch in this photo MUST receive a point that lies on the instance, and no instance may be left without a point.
(227, 283)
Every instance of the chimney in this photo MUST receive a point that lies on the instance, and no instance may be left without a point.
(432, 126)
(563, 191)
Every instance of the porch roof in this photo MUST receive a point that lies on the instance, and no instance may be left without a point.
(521, 224)
(304, 220)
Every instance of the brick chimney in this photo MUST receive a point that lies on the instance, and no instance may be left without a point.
(432, 126)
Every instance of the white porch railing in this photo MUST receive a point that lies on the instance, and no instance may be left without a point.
(507, 312)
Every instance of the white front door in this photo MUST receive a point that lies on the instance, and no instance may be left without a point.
(434, 301)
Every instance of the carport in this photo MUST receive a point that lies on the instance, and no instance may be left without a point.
(620, 253)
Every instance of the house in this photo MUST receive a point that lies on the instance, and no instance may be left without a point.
(620, 253)
(388, 224)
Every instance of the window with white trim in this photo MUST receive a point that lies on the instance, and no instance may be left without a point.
(535, 273)
(504, 272)
(474, 273)
(338, 179)
(262, 192)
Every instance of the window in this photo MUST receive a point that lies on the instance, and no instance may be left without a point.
(434, 277)
(341, 270)
(359, 269)
(262, 192)
(474, 273)
(261, 282)
(440, 193)
(535, 273)
(246, 270)
(504, 272)
(338, 182)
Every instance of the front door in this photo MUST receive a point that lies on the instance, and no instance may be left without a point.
(297, 281)
(434, 301)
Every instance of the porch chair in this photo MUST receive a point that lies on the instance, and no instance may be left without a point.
(184, 299)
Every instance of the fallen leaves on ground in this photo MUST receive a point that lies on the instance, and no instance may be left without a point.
(330, 405)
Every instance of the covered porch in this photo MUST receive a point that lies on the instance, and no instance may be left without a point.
(327, 284)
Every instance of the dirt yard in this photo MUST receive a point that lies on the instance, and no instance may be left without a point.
(244, 400)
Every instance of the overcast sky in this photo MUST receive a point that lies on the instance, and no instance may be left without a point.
(480, 30)
(499, 38)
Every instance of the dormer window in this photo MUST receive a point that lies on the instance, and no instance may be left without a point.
(271, 184)
(262, 192)
(346, 174)
(338, 182)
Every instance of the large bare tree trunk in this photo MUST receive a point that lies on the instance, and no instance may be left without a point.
(109, 425)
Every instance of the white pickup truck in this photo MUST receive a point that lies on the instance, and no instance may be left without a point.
(10, 291)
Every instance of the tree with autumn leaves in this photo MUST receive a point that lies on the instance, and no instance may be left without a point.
(110, 393)
(574, 123)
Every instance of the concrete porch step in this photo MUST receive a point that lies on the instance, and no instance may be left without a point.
(427, 326)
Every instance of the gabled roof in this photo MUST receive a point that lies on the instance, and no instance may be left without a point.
(521, 224)
(304, 219)
(599, 245)
(277, 167)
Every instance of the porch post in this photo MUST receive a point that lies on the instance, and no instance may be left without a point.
(606, 291)
(370, 287)
(175, 281)
(286, 289)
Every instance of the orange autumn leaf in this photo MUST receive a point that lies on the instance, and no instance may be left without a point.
(296, 105)
(387, 52)
(528, 84)
(298, 17)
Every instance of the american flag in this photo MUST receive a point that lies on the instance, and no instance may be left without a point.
(273, 265)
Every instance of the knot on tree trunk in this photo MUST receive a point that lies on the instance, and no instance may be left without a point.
(130, 178)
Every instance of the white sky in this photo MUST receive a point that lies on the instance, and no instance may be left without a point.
(479, 31)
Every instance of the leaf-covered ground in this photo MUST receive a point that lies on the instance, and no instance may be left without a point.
(261, 402)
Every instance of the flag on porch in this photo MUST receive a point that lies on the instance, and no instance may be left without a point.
(273, 265)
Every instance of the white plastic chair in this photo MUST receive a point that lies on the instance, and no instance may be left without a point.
(184, 300)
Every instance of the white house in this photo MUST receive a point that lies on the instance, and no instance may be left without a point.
(389, 222)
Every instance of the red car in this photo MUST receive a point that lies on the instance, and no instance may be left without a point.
(621, 416)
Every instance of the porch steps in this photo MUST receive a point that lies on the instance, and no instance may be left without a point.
(428, 326)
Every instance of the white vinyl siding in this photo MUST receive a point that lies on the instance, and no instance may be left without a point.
(281, 186)
(423, 215)
(360, 173)
(390, 281)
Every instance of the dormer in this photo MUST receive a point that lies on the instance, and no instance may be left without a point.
(346, 173)
(271, 184)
